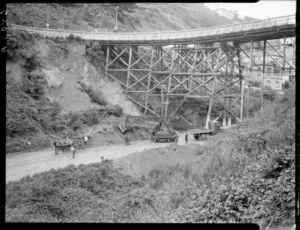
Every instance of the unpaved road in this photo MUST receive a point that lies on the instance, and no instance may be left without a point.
(30, 163)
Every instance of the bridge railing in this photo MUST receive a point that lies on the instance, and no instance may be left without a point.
(164, 35)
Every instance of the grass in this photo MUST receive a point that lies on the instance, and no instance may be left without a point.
(244, 174)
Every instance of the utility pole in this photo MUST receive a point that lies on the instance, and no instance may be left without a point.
(47, 24)
(261, 98)
(117, 8)
(248, 98)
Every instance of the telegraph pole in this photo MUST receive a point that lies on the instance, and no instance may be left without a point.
(47, 25)
(117, 8)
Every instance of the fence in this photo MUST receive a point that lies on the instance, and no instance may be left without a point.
(163, 35)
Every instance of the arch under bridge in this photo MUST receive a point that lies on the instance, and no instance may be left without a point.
(203, 64)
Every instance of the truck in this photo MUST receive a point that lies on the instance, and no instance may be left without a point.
(160, 134)
(214, 127)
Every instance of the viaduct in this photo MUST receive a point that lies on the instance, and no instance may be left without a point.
(202, 64)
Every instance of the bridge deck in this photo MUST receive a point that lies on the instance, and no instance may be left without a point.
(272, 28)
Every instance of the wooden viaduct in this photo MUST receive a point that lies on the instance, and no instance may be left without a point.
(180, 65)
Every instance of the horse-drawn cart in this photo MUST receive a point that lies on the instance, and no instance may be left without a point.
(61, 147)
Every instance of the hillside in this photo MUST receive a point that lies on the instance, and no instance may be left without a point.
(131, 17)
(242, 175)
(53, 91)
(53, 84)
(56, 90)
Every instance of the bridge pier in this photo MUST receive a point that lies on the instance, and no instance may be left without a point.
(197, 71)
(165, 76)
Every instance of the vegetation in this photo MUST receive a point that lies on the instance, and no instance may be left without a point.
(244, 175)
(131, 16)
(31, 116)
(87, 193)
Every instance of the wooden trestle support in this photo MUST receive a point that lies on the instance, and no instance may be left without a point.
(203, 71)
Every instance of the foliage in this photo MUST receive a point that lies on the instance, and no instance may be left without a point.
(285, 85)
(69, 4)
(115, 110)
(77, 38)
(270, 94)
(32, 61)
(69, 194)
(18, 45)
(241, 177)
(245, 198)
(256, 83)
(71, 37)
(34, 84)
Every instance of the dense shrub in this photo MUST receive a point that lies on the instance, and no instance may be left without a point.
(71, 37)
(286, 85)
(270, 94)
(18, 44)
(69, 194)
(77, 38)
(91, 117)
(115, 110)
(256, 83)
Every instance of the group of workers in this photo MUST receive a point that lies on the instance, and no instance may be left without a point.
(70, 143)
(66, 144)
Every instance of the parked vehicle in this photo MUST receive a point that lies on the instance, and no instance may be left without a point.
(214, 127)
(160, 134)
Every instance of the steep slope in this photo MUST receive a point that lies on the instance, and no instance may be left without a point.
(47, 97)
(131, 16)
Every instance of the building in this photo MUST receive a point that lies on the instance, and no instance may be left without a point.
(274, 75)
(276, 72)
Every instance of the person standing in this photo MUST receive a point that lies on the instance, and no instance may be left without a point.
(55, 147)
(186, 138)
(85, 140)
(126, 140)
(73, 150)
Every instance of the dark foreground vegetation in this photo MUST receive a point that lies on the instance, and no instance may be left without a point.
(246, 175)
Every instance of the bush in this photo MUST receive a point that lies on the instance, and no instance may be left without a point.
(270, 94)
(77, 38)
(71, 37)
(115, 110)
(285, 85)
(71, 194)
(34, 84)
(18, 44)
(91, 117)
(256, 83)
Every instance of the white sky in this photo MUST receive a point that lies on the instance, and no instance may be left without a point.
(261, 9)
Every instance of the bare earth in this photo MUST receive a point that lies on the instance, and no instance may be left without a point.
(35, 162)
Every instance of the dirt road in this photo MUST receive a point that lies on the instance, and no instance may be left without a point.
(30, 163)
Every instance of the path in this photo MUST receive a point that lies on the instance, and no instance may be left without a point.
(28, 164)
